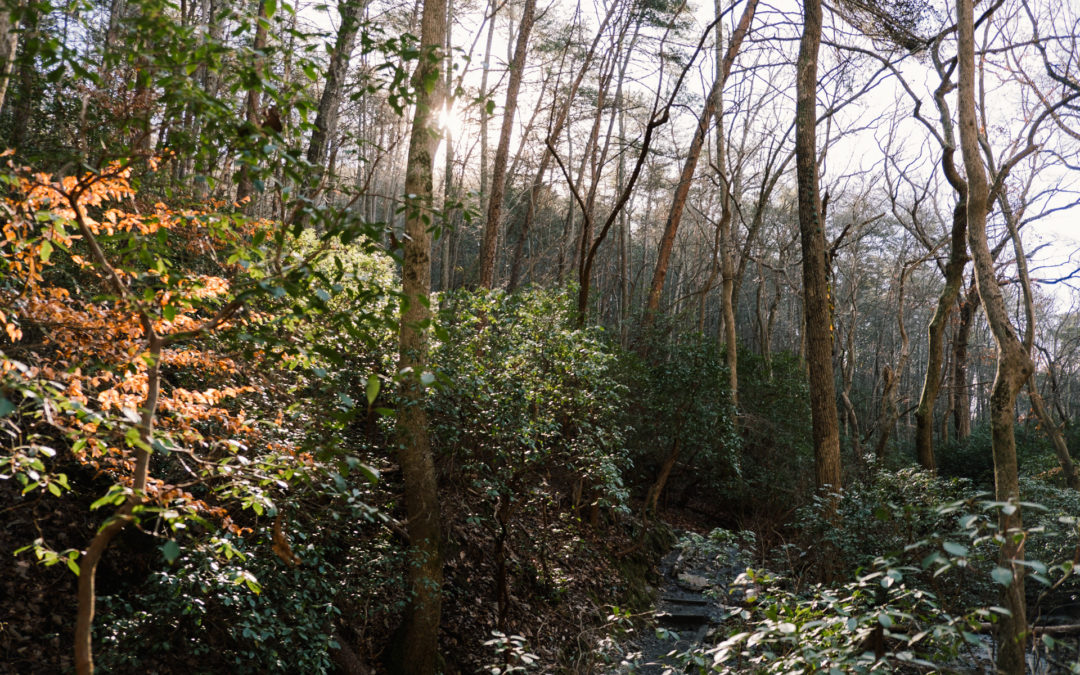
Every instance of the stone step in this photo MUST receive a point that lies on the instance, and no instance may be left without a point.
(670, 617)
(688, 599)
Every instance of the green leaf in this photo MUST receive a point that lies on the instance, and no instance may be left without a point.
(1002, 575)
(372, 388)
(952, 548)
(930, 559)
(6, 407)
(72, 565)
(171, 551)
(115, 495)
(369, 472)
(270, 7)
(168, 312)
(45, 251)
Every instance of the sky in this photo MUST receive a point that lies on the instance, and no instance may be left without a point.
(1060, 231)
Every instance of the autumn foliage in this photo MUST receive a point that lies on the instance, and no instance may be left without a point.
(88, 274)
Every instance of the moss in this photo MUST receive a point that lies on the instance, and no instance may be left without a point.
(638, 569)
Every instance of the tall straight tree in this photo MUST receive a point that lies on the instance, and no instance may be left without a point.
(1014, 365)
(425, 574)
(330, 101)
(726, 240)
(502, 152)
(816, 310)
(244, 185)
(682, 190)
(9, 42)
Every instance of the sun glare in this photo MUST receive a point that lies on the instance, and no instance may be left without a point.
(450, 120)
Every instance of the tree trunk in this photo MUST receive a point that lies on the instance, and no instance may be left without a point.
(954, 279)
(484, 114)
(87, 595)
(961, 406)
(1068, 469)
(329, 104)
(498, 171)
(1014, 365)
(890, 412)
(652, 499)
(24, 104)
(682, 190)
(9, 44)
(727, 240)
(816, 302)
(449, 208)
(424, 565)
(251, 108)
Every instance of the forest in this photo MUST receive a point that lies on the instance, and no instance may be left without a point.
(519, 336)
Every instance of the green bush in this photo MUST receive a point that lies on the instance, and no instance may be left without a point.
(231, 605)
(887, 514)
(526, 397)
(973, 457)
(205, 612)
(680, 403)
(920, 603)
(777, 452)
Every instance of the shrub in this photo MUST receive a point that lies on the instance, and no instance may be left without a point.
(777, 453)
(973, 458)
(680, 408)
(526, 396)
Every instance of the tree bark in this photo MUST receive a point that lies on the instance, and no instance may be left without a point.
(484, 114)
(816, 294)
(87, 595)
(424, 565)
(498, 170)
(682, 190)
(1014, 365)
(24, 103)
(9, 44)
(330, 102)
(954, 279)
(890, 412)
(251, 107)
(450, 209)
(961, 393)
(1068, 468)
(727, 240)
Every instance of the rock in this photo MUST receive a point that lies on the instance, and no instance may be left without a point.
(683, 617)
(693, 582)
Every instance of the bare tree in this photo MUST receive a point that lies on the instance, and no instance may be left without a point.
(1014, 365)
(498, 173)
(678, 201)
